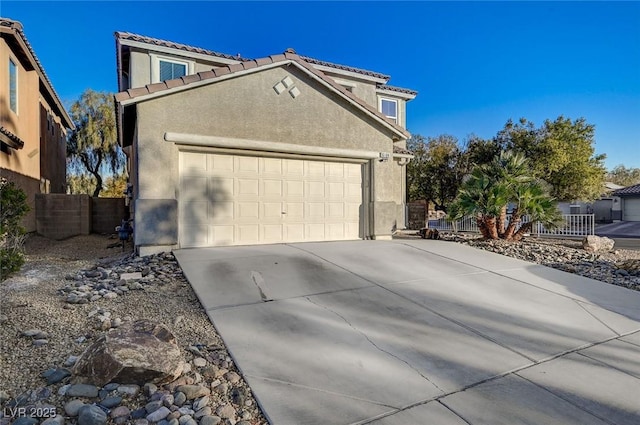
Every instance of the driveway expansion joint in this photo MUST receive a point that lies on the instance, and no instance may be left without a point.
(376, 345)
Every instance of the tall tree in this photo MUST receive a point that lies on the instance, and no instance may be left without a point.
(561, 152)
(436, 172)
(93, 145)
(624, 176)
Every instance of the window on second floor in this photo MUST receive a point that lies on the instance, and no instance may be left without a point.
(170, 70)
(13, 86)
(389, 108)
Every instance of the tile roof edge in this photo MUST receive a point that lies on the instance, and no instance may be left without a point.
(344, 67)
(18, 28)
(397, 89)
(18, 141)
(125, 35)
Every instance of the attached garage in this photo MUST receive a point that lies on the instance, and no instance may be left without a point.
(227, 199)
(631, 209)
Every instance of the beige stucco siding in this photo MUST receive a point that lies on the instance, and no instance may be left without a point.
(139, 68)
(25, 123)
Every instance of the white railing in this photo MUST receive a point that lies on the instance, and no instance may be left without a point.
(572, 225)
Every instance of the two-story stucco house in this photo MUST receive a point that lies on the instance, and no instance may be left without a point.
(33, 122)
(225, 150)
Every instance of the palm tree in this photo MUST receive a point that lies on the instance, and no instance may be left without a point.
(489, 190)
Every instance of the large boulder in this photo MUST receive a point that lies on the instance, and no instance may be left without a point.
(594, 243)
(136, 354)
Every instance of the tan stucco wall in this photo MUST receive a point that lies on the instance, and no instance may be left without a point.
(139, 68)
(249, 108)
(25, 124)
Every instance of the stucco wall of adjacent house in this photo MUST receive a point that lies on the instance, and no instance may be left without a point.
(139, 68)
(249, 108)
(24, 123)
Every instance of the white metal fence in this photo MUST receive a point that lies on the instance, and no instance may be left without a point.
(572, 225)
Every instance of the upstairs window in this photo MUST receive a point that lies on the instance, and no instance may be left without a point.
(170, 70)
(13, 86)
(389, 109)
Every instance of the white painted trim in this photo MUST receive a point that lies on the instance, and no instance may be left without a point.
(155, 65)
(258, 145)
(177, 52)
(356, 75)
(397, 117)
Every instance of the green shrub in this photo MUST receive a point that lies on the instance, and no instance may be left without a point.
(13, 206)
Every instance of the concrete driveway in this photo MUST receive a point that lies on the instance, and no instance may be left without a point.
(420, 332)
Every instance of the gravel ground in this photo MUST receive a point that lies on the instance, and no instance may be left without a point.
(34, 299)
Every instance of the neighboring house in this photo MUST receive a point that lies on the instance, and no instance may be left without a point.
(630, 202)
(225, 150)
(33, 122)
(605, 209)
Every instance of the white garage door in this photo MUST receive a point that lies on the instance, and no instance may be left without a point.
(631, 210)
(245, 200)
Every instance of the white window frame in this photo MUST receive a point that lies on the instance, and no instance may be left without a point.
(13, 62)
(396, 119)
(155, 65)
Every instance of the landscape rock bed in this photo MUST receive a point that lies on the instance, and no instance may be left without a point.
(618, 267)
(61, 303)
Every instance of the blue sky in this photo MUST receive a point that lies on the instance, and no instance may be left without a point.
(474, 64)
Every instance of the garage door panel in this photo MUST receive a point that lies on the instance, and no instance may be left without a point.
(237, 200)
(247, 234)
(248, 210)
(631, 210)
(220, 188)
(271, 188)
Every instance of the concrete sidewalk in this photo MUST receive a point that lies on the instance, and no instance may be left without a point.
(420, 332)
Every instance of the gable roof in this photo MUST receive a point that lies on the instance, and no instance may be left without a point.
(628, 191)
(26, 52)
(151, 91)
(165, 43)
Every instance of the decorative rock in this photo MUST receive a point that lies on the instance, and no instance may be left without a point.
(139, 414)
(200, 403)
(226, 411)
(205, 411)
(185, 419)
(73, 407)
(150, 389)
(594, 243)
(82, 390)
(153, 406)
(157, 356)
(185, 411)
(141, 422)
(111, 387)
(62, 391)
(173, 421)
(35, 333)
(168, 400)
(232, 377)
(128, 389)
(131, 276)
(120, 411)
(91, 415)
(110, 402)
(210, 420)
(199, 362)
(194, 391)
(222, 388)
(238, 396)
(40, 342)
(71, 360)
(179, 398)
(158, 415)
(58, 420)
(173, 415)
(53, 376)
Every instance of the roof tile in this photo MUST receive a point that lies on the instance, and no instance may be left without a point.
(187, 79)
(344, 67)
(249, 64)
(629, 190)
(397, 89)
(123, 95)
(278, 58)
(223, 70)
(139, 91)
(14, 141)
(176, 82)
(171, 44)
(156, 87)
(235, 68)
(263, 61)
(205, 75)
(399, 150)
